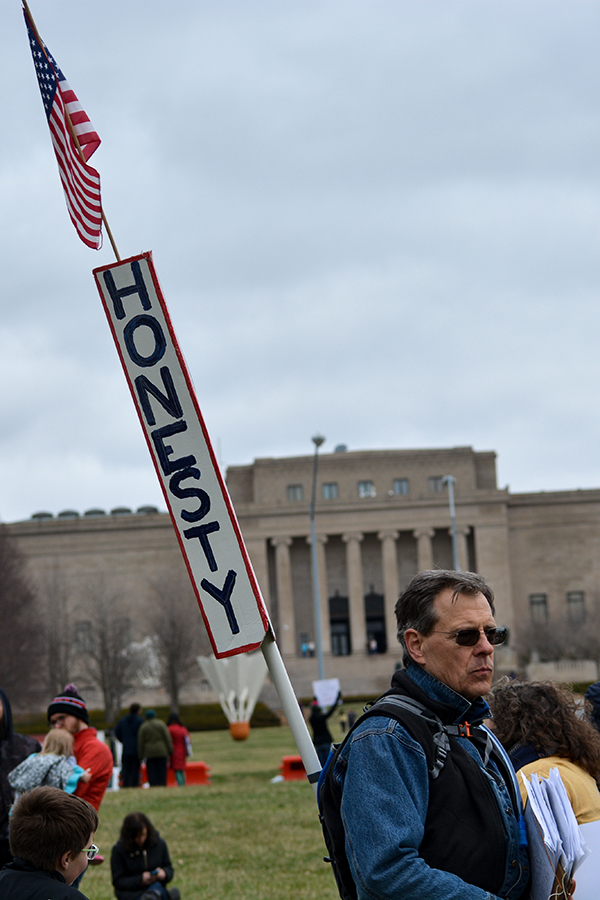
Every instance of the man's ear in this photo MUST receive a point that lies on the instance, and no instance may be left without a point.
(65, 861)
(413, 641)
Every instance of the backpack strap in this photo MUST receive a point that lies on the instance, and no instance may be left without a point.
(392, 704)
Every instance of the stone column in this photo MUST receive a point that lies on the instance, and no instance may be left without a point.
(356, 599)
(461, 543)
(286, 628)
(424, 548)
(257, 551)
(389, 565)
(323, 592)
(492, 554)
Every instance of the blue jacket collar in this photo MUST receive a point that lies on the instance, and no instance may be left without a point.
(466, 711)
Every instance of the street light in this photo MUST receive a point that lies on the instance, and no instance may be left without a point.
(450, 480)
(318, 440)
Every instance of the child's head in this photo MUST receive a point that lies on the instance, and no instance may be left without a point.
(58, 741)
(49, 829)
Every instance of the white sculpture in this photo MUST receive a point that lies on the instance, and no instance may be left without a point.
(237, 681)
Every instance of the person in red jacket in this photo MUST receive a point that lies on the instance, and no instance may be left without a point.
(69, 711)
(182, 747)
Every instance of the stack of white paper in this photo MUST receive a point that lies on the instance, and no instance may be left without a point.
(555, 840)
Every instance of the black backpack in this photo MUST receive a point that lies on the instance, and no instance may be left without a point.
(329, 795)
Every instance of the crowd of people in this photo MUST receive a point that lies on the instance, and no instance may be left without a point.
(50, 794)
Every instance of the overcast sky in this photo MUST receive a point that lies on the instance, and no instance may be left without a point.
(378, 220)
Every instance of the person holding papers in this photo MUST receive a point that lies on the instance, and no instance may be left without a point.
(540, 726)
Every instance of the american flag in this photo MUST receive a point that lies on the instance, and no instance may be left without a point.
(81, 183)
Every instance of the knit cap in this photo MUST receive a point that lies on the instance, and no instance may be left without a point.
(71, 703)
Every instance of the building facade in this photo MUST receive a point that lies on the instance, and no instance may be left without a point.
(380, 517)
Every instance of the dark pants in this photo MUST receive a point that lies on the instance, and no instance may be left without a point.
(157, 771)
(130, 770)
(322, 752)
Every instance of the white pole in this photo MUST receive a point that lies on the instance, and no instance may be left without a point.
(291, 708)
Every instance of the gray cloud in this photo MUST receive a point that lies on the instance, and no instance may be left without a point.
(375, 219)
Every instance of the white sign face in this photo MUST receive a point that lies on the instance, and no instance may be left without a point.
(207, 529)
(326, 691)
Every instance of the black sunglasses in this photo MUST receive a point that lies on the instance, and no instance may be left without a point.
(468, 637)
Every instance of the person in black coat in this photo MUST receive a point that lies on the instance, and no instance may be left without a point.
(322, 738)
(140, 862)
(126, 732)
(14, 748)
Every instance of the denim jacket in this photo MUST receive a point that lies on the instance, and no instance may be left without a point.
(385, 782)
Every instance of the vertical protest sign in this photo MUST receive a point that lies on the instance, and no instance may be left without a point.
(205, 524)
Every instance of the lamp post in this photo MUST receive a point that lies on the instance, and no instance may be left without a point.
(450, 480)
(317, 440)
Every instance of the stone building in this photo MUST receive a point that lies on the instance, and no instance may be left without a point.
(380, 517)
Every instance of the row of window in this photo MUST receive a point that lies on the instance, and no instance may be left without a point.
(400, 488)
(538, 607)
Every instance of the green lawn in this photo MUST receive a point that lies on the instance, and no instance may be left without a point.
(240, 837)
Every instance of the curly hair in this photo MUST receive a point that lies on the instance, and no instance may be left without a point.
(548, 717)
(132, 825)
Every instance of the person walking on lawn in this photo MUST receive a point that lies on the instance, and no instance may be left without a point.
(155, 746)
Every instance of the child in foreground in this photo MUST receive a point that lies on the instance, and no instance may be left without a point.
(51, 838)
(140, 862)
(54, 766)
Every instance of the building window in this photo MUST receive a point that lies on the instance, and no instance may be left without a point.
(330, 490)
(538, 607)
(436, 484)
(400, 487)
(576, 606)
(366, 489)
(84, 637)
(295, 492)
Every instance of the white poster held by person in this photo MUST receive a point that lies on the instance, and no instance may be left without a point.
(326, 691)
(205, 523)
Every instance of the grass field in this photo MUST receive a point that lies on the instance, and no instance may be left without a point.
(240, 837)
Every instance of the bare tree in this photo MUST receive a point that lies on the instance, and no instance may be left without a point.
(21, 632)
(103, 645)
(57, 620)
(562, 638)
(179, 633)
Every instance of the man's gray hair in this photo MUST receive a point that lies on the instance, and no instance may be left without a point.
(415, 609)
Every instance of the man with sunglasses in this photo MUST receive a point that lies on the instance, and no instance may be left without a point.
(421, 821)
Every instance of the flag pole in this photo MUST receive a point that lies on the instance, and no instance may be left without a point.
(72, 131)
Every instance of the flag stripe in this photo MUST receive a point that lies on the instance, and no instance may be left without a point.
(81, 182)
(86, 134)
